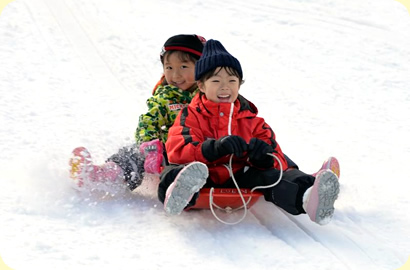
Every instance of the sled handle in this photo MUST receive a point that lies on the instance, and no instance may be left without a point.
(244, 204)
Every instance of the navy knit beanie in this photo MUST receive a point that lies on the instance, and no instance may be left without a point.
(192, 44)
(215, 55)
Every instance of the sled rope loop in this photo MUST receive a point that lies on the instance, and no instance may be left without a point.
(244, 203)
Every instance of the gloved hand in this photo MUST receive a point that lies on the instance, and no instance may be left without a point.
(153, 153)
(215, 149)
(257, 152)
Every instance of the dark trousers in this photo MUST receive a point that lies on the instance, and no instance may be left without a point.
(131, 163)
(290, 162)
(288, 194)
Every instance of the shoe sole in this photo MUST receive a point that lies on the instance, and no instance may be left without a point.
(324, 194)
(188, 181)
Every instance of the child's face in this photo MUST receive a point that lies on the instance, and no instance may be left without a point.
(178, 72)
(221, 87)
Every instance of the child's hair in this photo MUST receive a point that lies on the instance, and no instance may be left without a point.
(230, 70)
(183, 56)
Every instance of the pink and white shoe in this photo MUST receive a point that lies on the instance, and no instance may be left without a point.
(88, 176)
(81, 166)
(188, 181)
(331, 164)
(318, 200)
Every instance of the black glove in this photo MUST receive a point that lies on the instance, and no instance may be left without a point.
(257, 152)
(215, 149)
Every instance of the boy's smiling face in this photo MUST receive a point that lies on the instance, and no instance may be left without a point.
(221, 87)
(179, 72)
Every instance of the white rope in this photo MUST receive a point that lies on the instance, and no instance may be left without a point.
(230, 119)
(244, 204)
(211, 203)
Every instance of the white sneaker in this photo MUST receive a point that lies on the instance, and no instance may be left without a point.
(318, 200)
(188, 181)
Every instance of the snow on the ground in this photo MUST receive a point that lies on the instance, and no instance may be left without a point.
(331, 78)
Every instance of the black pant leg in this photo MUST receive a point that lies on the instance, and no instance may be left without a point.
(288, 194)
(290, 162)
(131, 163)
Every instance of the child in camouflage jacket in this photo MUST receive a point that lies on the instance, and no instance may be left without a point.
(173, 92)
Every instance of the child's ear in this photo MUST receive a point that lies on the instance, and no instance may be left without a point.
(200, 86)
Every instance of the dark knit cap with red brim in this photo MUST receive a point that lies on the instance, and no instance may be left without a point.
(192, 44)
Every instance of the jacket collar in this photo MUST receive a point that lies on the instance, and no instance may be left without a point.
(242, 106)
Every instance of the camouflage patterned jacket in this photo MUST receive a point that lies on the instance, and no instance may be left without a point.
(163, 108)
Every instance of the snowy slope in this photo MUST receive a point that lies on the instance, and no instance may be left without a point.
(331, 78)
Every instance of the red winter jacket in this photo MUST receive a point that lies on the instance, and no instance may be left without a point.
(204, 119)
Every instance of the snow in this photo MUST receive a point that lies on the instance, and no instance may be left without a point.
(330, 77)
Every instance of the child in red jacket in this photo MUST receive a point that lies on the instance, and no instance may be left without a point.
(220, 124)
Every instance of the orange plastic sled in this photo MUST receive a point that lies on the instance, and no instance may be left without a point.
(226, 198)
